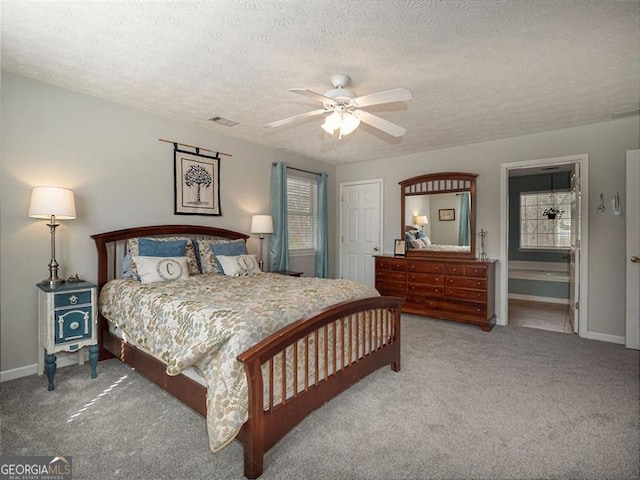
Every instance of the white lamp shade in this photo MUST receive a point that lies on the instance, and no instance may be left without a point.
(421, 220)
(332, 122)
(349, 124)
(261, 224)
(47, 201)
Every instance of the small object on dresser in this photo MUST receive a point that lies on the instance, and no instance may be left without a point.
(74, 279)
(483, 255)
(66, 322)
(399, 248)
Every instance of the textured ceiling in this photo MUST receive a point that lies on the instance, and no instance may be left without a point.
(478, 70)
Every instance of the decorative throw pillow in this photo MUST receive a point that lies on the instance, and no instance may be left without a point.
(416, 244)
(426, 241)
(228, 249)
(159, 247)
(237, 265)
(408, 236)
(207, 258)
(420, 234)
(161, 269)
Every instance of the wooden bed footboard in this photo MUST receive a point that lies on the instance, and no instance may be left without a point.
(319, 357)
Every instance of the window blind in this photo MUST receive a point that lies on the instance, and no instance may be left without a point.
(302, 210)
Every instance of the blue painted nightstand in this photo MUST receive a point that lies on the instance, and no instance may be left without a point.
(67, 322)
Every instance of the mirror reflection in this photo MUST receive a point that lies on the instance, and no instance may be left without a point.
(438, 222)
(438, 214)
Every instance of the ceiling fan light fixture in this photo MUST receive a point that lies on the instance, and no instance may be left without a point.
(332, 123)
(349, 124)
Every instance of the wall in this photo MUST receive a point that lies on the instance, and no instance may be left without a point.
(122, 176)
(606, 144)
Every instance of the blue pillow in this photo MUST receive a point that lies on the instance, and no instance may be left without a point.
(420, 234)
(408, 236)
(229, 249)
(148, 247)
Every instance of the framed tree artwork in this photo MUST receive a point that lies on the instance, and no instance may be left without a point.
(196, 183)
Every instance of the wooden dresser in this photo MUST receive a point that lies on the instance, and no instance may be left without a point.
(461, 290)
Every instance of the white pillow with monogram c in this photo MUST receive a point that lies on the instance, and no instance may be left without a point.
(161, 269)
(237, 265)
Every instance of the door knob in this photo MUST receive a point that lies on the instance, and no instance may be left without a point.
(635, 259)
(375, 249)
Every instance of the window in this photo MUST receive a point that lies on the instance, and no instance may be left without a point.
(537, 232)
(302, 195)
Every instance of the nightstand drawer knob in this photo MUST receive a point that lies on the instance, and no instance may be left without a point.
(74, 325)
(73, 299)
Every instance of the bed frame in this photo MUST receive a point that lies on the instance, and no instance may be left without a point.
(370, 333)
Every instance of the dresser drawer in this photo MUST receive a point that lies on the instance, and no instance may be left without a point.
(382, 263)
(465, 294)
(425, 278)
(454, 269)
(421, 302)
(386, 275)
(391, 288)
(478, 310)
(433, 290)
(73, 324)
(465, 282)
(476, 271)
(70, 299)
(425, 267)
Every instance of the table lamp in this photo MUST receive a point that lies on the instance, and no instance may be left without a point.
(52, 203)
(261, 224)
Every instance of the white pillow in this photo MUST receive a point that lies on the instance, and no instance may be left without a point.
(416, 244)
(161, 269)
(239, 264)
(426, 241)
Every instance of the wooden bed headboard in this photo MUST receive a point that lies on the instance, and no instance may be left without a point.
(112, 246)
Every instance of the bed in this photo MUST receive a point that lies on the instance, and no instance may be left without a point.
(276, 362)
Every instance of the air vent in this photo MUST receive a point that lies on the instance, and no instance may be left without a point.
(631, 113)
(223, 121)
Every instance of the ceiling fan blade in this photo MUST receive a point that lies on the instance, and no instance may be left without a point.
(380, 123)
(314, 95)
(388, 96)
(295, 118)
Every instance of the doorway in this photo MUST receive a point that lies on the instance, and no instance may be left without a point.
(560, 278)
(360, 229)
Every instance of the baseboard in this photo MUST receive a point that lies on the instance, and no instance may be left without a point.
(63, 359)
(604, 337)
(534, 298)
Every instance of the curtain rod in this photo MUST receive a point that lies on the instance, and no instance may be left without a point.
(193, 146)
(298, 169)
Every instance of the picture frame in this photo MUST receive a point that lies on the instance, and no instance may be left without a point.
(399, 248)
(446, 214)
(196, 184)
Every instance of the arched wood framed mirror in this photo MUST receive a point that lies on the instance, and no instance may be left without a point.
(438, 213)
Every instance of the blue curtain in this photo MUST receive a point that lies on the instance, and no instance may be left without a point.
(464, 228)
(279, 241)
(322, 254)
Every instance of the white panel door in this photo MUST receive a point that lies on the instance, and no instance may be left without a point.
(632, 207)
(360, 229)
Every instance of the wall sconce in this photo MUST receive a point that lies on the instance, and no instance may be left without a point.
(261, 224)
(52, 203)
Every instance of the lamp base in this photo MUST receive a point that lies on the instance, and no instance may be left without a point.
(52, 282)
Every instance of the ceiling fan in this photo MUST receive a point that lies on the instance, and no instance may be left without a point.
(345, 108)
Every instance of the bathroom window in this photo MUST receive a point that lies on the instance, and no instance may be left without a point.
(537, 232)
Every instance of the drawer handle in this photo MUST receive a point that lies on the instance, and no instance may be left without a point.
(74, 325)
(478, 295)
(73, 299)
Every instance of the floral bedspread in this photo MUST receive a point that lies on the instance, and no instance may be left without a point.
(209, 319)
